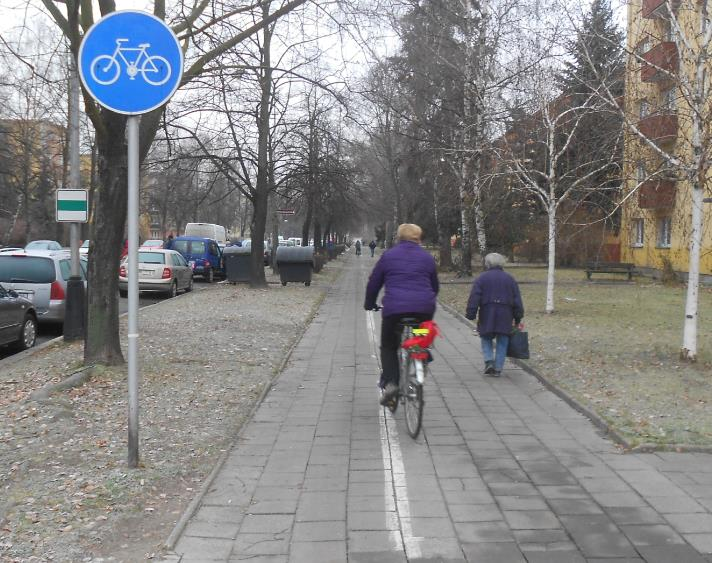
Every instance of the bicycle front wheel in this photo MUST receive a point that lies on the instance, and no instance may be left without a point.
(413, 407)
(105, 70)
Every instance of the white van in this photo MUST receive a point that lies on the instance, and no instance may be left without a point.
(207, 230)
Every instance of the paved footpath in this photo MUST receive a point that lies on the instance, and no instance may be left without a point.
(504, 470)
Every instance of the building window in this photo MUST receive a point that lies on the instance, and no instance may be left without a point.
(644, 109)
(664, 229)
(643, 46)
(637, 232)
(641, 173)
(668, 101)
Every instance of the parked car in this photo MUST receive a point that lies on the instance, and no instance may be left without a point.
(41, 277)
(203, 255)
(18, 320)
(43, 245)
(247, 243)
(164, 271)
(84, 248)
(152, 243)
(11, 249)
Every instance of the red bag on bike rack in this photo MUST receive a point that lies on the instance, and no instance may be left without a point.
(418, 345)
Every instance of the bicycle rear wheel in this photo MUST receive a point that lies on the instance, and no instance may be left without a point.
(413, 407)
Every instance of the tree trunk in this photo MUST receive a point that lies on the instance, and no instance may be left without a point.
(107, 234)
(552, 258)
(689, 334)
(262, 184)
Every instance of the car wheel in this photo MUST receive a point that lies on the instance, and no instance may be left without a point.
(190, 285)
(173, 291)
(28, 334)
(210, 276)
(123, 293)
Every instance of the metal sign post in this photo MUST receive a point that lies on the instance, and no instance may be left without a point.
(131, 63)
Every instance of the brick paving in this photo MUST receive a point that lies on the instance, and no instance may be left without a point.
(504, 470)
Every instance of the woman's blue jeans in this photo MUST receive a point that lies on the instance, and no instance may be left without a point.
(501, 349)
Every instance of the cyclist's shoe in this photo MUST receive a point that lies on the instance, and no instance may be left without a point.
(390, 393)
(430, 357)
(489, 367)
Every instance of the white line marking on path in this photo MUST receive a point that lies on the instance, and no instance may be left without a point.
(390, 449)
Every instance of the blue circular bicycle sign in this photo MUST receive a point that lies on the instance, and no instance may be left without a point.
(130, 62)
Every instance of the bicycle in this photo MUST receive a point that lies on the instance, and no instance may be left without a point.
(413, 358)
(105, 69)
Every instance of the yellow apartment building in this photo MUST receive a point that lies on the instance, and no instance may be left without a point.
(664, 39)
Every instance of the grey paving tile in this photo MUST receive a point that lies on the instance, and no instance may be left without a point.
(574, 506)
(701, 542)
(521, 502)
(691, 523)
(323, 552)
(634, 515)
(380, 520)
(258, 558)
(475, 512)
(483, 532)
(597, 536)
(531, 520)
(319, 531)
(376, 557)
(428, 527)
(674, 504)
(652, 534)
(206, 549)
(375, 540)
(267, 524)
(496, 552)
(561, 556)
(670, 554)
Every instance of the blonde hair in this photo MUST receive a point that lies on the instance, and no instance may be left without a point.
(409, 231)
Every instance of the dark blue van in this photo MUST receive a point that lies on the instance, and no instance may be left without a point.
(203, 255)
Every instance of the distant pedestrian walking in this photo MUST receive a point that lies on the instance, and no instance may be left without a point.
(495, 296)
(372, 246)
(358, 248)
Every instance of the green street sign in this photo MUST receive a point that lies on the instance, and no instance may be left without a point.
(72, 206)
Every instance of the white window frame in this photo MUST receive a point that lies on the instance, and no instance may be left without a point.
(664, 235)
(637, 232)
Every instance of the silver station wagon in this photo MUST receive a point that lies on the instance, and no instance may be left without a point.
(40, 276)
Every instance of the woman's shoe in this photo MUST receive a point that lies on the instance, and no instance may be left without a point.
(489, 367)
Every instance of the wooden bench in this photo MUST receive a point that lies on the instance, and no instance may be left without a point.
(610, 268)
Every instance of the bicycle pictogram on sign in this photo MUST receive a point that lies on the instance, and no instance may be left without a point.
(106, 69)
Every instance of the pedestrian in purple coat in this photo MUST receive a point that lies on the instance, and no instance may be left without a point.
(409, 275)
(495, 296)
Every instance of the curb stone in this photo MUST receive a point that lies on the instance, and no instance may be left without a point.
(169, 555)
(599, 422)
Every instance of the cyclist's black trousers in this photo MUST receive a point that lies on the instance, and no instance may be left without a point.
(391, 331)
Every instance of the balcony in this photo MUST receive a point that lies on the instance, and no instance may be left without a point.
(657, 8)
(662, 57)
(659, 128)
(658, 193)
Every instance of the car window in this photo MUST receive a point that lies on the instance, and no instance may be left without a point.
(197, 247)
(65, 267)
(214, 249)
(3, 293)
(151, 258)
(26, 269)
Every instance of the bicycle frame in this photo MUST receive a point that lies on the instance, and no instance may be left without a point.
(119, 52)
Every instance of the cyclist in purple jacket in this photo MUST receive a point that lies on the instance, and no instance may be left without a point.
(410, 278)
